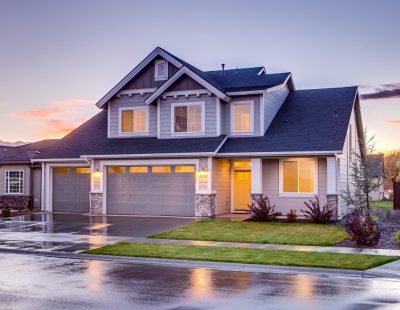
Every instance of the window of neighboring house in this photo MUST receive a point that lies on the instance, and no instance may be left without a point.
(242, 117)
(298, 176)
(188, 118)
(161, 70)
(14, 182)
(134, 120)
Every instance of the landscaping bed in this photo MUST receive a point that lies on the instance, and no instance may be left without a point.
(252, 232)
(246, 256)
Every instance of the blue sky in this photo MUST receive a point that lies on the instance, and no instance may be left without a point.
(57, 58)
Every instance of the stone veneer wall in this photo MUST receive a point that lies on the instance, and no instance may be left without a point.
(205, 205)
(96, 203)
(15, 202)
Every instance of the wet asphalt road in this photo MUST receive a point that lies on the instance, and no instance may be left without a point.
(35, 282)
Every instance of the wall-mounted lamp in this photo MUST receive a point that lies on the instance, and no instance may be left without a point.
(97, 173)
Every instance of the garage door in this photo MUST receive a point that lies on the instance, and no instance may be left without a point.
(71, 187)
(157, 190)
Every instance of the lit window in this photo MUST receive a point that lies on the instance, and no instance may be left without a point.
(83, 170)
(161, 169)
(188, 118)
(242, 164)
(161, 70)
(62, 170)
(115, 170)
(138, 169)
(184, 169)
(134, 120)
(299, 175)
(242, 116)
(14, 182)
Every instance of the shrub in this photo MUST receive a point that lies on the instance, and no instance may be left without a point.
(397, 236)
(363, 229)
(316, 213)
(291, 216)
(262, 210)
(6, 211)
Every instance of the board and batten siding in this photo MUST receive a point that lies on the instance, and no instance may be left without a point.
(221, 180)
(27, 177)
(126, 102)
(210, 115)
(284, 204)
(272, 103)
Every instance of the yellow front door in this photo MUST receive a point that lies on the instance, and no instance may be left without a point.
(242, 190)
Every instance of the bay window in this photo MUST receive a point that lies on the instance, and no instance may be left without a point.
(298, 176)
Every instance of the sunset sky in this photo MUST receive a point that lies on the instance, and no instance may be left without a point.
(57, 58)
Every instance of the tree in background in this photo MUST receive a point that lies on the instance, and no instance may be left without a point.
(392, 165)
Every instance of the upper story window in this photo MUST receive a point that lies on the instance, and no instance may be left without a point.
(298, 176)
(134, 120)
(14, 182)
(187, 118)
(161, 70)
(242, 117)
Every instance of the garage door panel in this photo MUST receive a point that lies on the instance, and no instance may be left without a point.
(151, 193)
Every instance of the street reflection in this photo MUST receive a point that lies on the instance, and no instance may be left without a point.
(304, 286)
(201, 285)
(95, 271)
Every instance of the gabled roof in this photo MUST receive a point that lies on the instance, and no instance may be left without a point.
(24, 154)
(314, 120)
(90, 139)
(377, 164)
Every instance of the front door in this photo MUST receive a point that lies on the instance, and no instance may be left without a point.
(242, 190)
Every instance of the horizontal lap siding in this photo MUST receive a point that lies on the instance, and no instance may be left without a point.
(284, 204)
(272, 103)
(133, 101)
(221, 179)
(210, 114)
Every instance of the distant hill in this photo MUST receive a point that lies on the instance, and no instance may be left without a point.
(12, 144)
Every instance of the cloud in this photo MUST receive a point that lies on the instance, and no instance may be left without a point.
(385, 91)
(56, 128)
(39, 113)
(393, 122)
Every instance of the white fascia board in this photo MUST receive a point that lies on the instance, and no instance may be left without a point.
(58, 160)
(155, 155)
(157, 52)
(194, 76)
(277, 154)
(246, 92)
(221, 145)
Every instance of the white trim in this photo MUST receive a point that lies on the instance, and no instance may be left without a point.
(156, 52)
(66, 160)
(159, 155)
(158, 118)
(298, 194)
(218, 112)
(186, 93)
(221, 145)
(194, 76)
(140, 91)
(331, 173)
(232, 118)
(7, 188)
(256, 176)
(262, 71)
(134, 133)
(157, 76)
(108, 120)
(202, 131)
(277, 154)
(277, 87)
(246, 92)
(262, 114)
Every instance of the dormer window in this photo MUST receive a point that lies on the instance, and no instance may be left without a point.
(242, 117)
(161, 70)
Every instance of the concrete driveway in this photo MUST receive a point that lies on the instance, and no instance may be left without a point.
(75, 232)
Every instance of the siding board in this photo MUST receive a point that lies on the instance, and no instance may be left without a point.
(272, 103)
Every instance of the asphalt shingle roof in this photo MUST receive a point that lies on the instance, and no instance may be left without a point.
(91, 139)
(309, 120)
(24, 153)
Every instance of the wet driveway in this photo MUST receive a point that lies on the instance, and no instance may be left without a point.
(74, 232)
(34, 282)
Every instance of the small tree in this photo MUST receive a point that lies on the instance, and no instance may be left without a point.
(361, 176)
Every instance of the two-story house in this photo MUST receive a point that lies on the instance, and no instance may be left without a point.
(173, 140)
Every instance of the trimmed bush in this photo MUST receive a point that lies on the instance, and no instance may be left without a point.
(363, 229)
(316, 213)
(262, 210)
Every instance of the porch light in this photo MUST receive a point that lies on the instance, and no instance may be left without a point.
(97, 173)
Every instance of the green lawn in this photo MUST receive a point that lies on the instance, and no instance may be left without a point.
(246, 256)
(382, 204)
(273, 233)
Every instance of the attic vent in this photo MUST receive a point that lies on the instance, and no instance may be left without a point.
(161, 70)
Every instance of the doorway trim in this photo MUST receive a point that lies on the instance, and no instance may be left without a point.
(233, 169)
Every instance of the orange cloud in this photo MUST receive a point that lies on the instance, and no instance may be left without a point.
(56, 128)
(39, 113)
(393, 122)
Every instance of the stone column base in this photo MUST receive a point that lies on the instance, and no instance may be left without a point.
(205, 205)
(333, 202)
(96, 203)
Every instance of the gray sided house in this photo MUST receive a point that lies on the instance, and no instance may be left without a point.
(173, 140)
(20, 180)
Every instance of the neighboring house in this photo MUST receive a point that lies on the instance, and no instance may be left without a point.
(174, 140)
(20, 180)
(378, 170)
(388, 189)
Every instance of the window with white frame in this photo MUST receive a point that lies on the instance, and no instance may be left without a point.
(242, 116)
(14, 182)
(187, 118)
(134, 120)
(298, 176)
(161, 70)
